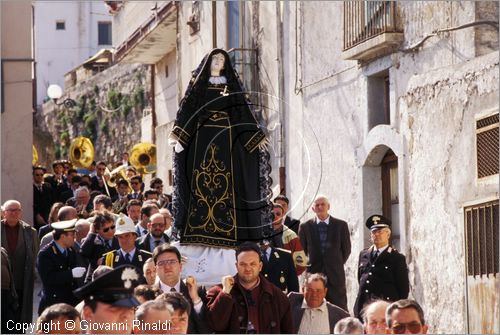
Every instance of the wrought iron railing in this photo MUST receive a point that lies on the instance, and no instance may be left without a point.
(364, 20)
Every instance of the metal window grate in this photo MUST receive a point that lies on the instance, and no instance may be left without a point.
(487, 146)
(481, 239)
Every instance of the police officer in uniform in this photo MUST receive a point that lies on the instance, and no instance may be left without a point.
(382, 270)
(109, 302)
(126, 235)
(58, 268)
(278, 267)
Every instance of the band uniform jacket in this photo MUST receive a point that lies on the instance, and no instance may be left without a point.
(332, 262)
(54, 269)
(115, 258)
(335, 313)
(384, 278)
(280, 270)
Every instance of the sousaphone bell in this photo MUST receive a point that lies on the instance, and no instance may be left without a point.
(143, 158)
(81, 152)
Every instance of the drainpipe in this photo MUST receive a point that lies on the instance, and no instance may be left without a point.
(154, 122)
(214, 24)
(282, 105)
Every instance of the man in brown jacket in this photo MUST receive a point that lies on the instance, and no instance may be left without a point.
(247, 302)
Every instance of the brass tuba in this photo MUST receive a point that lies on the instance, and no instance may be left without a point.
(143, 158)
(115, 175)
(81, 152)
(34, 160)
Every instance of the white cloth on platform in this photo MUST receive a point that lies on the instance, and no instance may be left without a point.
(207, 264)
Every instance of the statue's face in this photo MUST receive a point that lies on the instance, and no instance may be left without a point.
(217, 64)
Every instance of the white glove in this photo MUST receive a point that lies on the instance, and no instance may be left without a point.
(172, 141)
(78, 272)
(178, 147)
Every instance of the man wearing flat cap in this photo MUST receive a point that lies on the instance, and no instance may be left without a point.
(109, 301)
(382, 270)
(58, 268)
(126, 235)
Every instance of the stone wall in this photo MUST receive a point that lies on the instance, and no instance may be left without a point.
(109, 108)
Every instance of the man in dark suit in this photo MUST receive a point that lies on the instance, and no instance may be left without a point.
(128, 253)
(293, 224)
(97, 182)
(315, 320)
(42, 197)
(168, 262)
(156, 235)
(137, 186)
(382, 270)
(278, 267)
(326, 241)
(57, 267)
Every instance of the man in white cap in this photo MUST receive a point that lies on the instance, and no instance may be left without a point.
(382, 270)
(58, 268)
(127, 254)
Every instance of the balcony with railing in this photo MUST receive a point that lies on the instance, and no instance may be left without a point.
(370, 29)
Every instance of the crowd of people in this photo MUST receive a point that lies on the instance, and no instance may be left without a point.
(109, 262)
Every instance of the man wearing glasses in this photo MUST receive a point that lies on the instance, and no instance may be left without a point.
(99, 241)
(168, 264)
(156, 233)
(405, 317)
(21, 242)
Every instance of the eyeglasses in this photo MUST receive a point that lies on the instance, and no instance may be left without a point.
(414, 327)
(105, 230)
(167, 262)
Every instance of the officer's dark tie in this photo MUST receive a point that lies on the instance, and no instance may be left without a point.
(127, 257)
(374, 255)
(323, 232)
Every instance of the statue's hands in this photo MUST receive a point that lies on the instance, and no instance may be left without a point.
(264, 144)
(178, 147)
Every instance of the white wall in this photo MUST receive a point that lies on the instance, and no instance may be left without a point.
(59, 51)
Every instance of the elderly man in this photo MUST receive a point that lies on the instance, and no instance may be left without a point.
(109, 301)
(149, 271)
(156, 235)
(58, 268)
(81, 201)
(247, 302)
(373, 315)
(348, 325)
(382, 270)
(312, 314)
(21, 242)
(327, 243)
(405, 317)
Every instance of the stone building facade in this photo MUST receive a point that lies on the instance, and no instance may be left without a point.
(384, 107)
